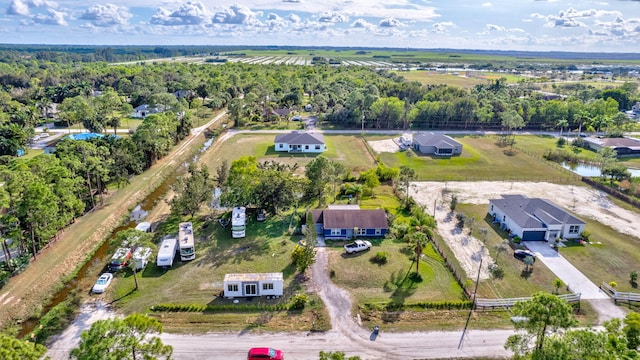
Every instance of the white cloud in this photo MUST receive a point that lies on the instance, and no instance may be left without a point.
(492, 27)
(294, 18)
(236, 14)
(22, 7)
(442, 27)
(390, 22)
(487, 4)
(106, 15)
(189, 13)
(361, 24)
(52, 17)
(333, 17)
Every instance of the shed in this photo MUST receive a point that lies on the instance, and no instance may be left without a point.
(253, 284)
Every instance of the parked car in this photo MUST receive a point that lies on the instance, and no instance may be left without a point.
(120, 259)
(357, 246)
(265, 353)
(103, 282)
(522, 254)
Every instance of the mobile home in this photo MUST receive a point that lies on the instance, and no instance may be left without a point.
(187, 243)
(238, 222)
(253, 284)
(141, 257)
(167, 252)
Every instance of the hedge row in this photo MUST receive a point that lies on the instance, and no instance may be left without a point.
(220, 308)
(436, 305)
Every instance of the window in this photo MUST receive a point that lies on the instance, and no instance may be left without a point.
(267, 286)
(573, 229)
(232, 287)
(317, 147)
(306, 147)
(378, 231)
(280, 146)
(250, 289)
(491, 207)
(335, 232)
(361, 232)
(504, 218)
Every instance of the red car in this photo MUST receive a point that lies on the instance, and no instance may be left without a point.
(265, 353)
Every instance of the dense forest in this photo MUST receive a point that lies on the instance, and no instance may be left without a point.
(45, 193)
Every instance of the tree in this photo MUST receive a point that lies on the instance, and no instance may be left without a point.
(528, 261)
(511, 120)
(128, 338)
(544, 312)
(241, 182)
(317, 171)
(191, 191)
(632, 330)
(14, 349)
(502, 247)
(417, 241)
(303, 256)
(557, 283)
(336, 171)
(407, 175)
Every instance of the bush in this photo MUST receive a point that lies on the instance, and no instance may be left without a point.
(517, 240)
(561, 142)
(415, 277)
(298, 302)
(496, 271)
(380, 258)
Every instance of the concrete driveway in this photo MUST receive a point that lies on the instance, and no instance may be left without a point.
(575, 280)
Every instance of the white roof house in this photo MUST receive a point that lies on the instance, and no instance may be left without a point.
(253, 284)
(145, 110)
(305, 142)
(436, 144)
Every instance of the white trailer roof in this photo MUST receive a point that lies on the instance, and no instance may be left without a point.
(254, 277)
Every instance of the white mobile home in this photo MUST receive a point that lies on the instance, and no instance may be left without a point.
(187, 243)
(167, 252)
(256, 284)
(238, 222)
(141, 257)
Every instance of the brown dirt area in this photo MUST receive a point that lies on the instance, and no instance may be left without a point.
(388, 145)
(583, 201)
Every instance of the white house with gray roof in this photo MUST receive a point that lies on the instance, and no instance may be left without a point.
(534, 219)
(304, 142)
(436, 144)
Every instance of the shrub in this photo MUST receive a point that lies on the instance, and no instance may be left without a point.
(298, 302)
(496, 271)
(585, 235)
(561, 142)
(517, 240)
(380, 258)
(415, 277)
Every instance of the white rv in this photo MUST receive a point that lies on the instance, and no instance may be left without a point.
(187, 244)
(141, 257)
(238, 222)
(144, 226)
(256, 284)
(167, 252)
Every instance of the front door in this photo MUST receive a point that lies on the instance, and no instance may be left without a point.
(250, 289)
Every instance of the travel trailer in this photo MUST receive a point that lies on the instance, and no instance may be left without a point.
(238, 222)
(167, 252)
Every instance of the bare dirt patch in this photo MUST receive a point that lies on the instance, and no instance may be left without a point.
(380, 146)
(583, 201)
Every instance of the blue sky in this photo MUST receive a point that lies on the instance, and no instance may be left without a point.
(551, 25)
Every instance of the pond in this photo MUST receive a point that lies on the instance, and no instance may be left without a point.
(592, 170)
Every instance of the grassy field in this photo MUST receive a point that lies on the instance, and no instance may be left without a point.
(481, 159)
(455, 79)
(350, 150)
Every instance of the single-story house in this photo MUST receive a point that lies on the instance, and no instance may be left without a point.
(145, 110)
(347, 222)
(534, 219)
(436, 144)
(253, 284)
(306, 142)
(622, 145)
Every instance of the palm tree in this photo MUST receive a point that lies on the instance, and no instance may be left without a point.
(417, 241)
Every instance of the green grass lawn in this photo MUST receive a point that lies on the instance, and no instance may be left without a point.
(538, 145)
(481, 159)
(350, 150)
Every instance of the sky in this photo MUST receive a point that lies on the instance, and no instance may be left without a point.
(528, 25)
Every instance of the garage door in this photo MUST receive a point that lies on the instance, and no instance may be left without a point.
(533, 235)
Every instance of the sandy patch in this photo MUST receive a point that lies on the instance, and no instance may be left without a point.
(583, 201)
(384, 146)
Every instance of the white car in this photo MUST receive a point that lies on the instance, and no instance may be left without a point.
(102, 283)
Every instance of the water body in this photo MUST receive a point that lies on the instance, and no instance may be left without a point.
(592, 170)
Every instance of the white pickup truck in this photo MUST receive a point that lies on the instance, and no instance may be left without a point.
(357, 246)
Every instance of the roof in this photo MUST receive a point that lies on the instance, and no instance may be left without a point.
(533, 212)
(83, 136)
(352, 218)
(254, 277)
(627, 142)
(301, 138)
(435, 139)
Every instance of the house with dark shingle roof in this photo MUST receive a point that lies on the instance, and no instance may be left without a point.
(306, 142)
(534, 219)
(622, 145)
(436, 144)
(347, 222)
